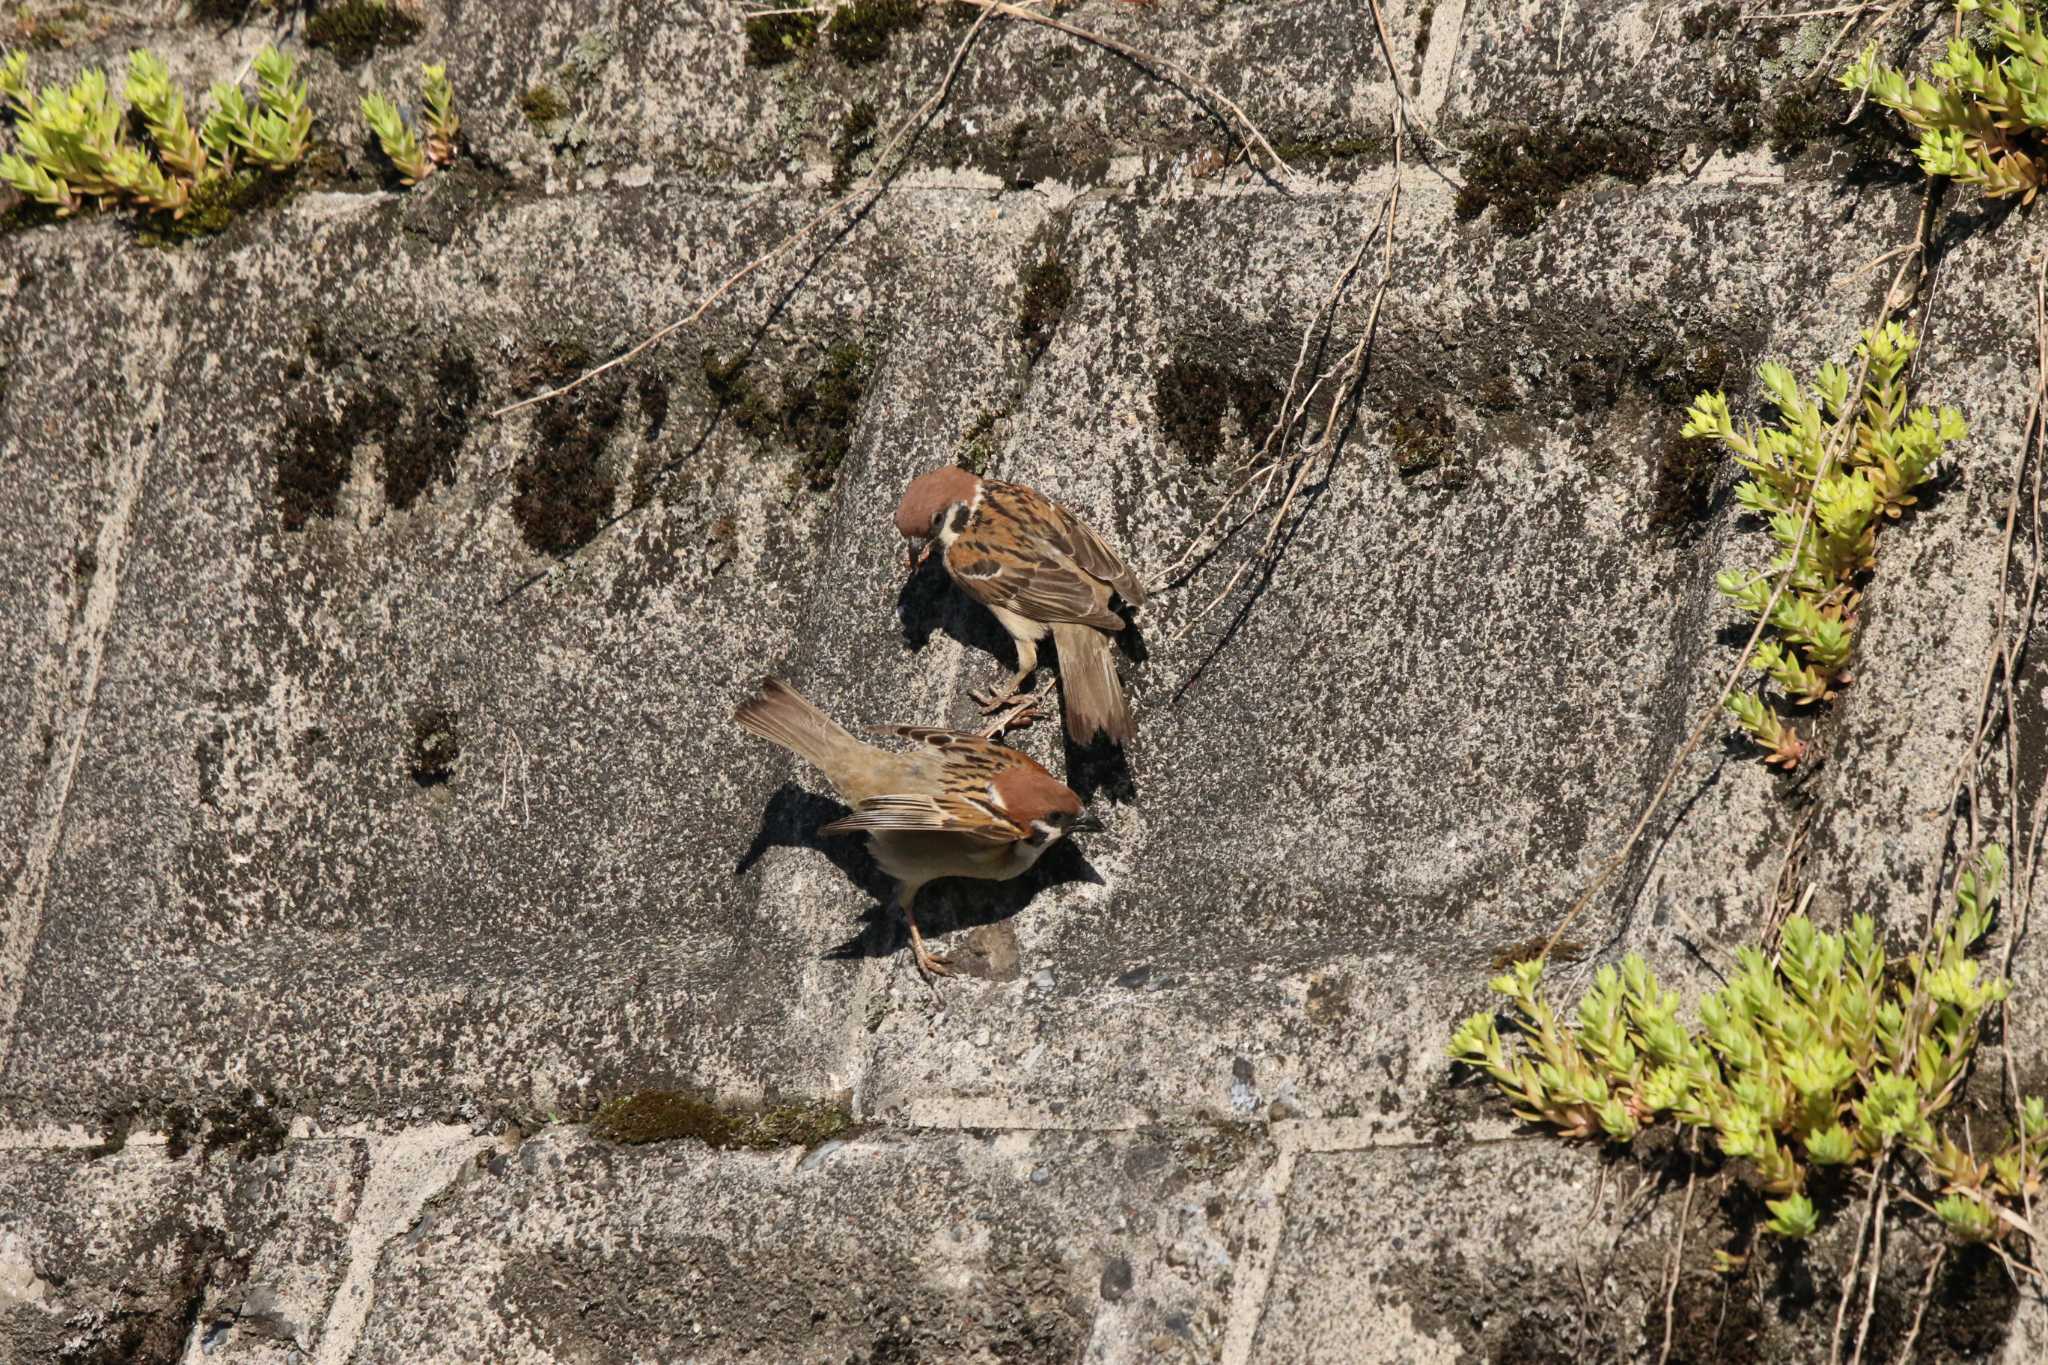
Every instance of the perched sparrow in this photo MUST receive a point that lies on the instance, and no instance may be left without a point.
(955, 806)
(1032, 563)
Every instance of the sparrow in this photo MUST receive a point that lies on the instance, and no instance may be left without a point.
(956, 805)
(1040, 571)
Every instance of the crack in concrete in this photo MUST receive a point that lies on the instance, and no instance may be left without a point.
(72, 709)
(406, 1172)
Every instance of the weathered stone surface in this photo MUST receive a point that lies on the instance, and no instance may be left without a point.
(993, 1246)
(379, 774)
(139, 1256)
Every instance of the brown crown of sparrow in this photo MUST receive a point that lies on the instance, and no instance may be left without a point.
(1040, 571)
(956, 805)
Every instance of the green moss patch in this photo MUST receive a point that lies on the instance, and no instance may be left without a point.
(773, 39)
(1048, 288)
(544, 107)
(675, 1116)
(1194, 397)
(861, 31)
(1523, 172)
(353, 29)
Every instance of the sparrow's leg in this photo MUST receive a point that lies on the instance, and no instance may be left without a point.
(996, 698)
(1016, 712)
(926, 963)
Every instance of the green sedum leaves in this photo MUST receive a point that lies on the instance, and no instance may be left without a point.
(1981, 120)
(72, 143)
(1885, 454)
(416, 160)
(1831, 1055)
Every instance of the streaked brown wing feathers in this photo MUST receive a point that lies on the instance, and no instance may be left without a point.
(948, 814)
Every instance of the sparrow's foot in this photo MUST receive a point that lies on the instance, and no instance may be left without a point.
(1007, 693)
(932, 967)
(1016, 713)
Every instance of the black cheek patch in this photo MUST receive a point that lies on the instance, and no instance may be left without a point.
(958, 517)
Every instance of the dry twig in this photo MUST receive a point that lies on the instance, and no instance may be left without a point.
(871, 182)
(1274, 465)
(1678, 1253)
(1896, 296)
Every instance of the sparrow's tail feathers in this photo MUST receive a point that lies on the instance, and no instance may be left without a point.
(779, 713)
(1094, 698)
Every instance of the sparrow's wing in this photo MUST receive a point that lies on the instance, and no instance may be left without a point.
(957, 747)
(946, 814)
(1016, 555)
(1088, 551)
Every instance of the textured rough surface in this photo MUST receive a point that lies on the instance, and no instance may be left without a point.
(382, 819)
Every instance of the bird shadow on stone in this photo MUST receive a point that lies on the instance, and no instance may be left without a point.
(928, 603)
(1099, 768)
(962, 903)
(792, 818)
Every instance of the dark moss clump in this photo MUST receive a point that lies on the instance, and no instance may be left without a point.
(435, 746)
(214, 205)
(114, 1130)
(544, 108)
(425, 452)
(181, 1125)
(855, 137)
(818, 414)
(736, 396)
(773, 39)
(976, 452)
(652, 390)
(353, 29)
(1681, 474)
(251, 1125)
(1194, 397)
(1523, 172)
(1324, 153)
(318, 448)
(562, 491)
(1738, 108)
(1801, 116)
(860, 31)
(1422, 434)
(670, 1116)
(1710, 22)
(1048, 287)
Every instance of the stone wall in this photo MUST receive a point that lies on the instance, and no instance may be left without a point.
(383, 819)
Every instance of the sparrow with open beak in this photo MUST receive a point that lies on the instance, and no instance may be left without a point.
(1040, 571)
(956, 805)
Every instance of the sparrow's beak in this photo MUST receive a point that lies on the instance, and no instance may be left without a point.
(1089, 823)
(915, 552)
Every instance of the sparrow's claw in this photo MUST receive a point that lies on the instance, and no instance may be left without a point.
(933, 967)
(1018, 712)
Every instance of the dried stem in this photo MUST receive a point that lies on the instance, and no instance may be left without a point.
(872, 181)
(1905, 1356)
(1678, 1254)
(1845, 433)
(1174, 73)
(1274, 465)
